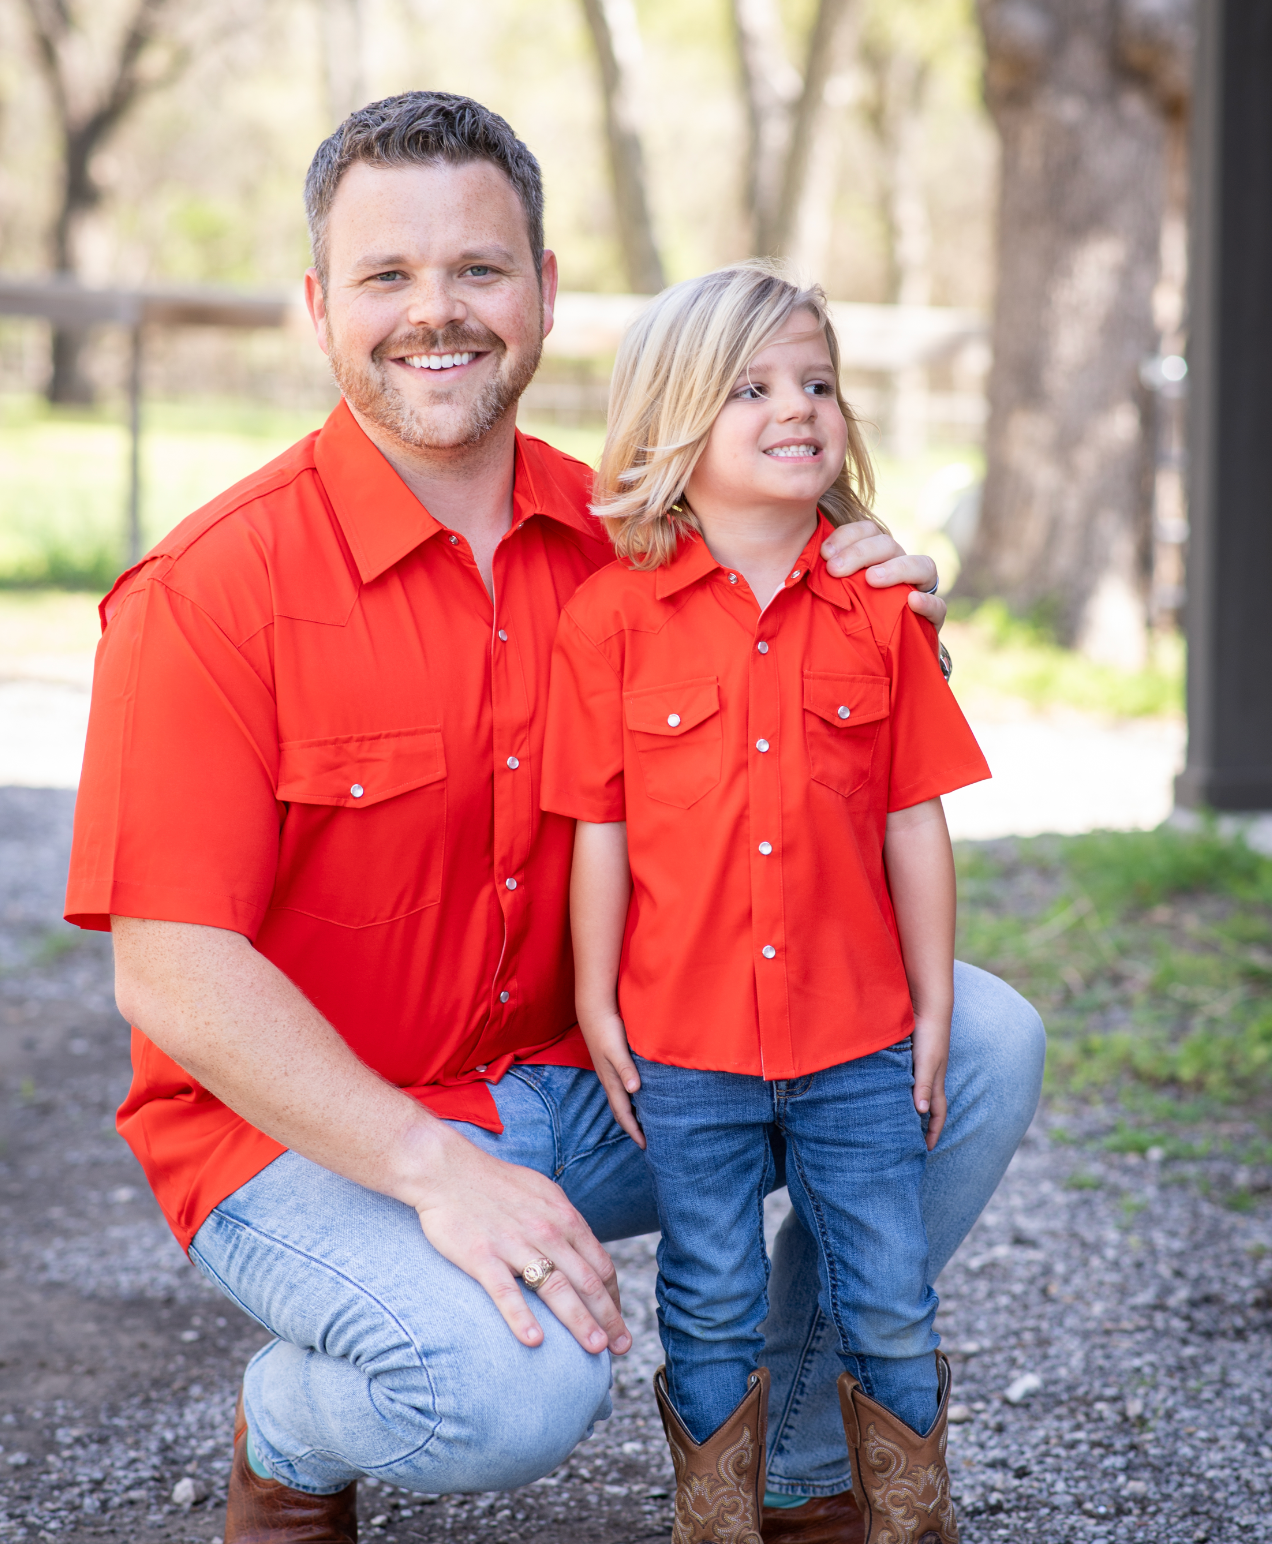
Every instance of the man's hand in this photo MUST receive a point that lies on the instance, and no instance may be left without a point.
(861, 544)
(931, 1042)
(492, 1219)
(237, 1024)
(611, 1056)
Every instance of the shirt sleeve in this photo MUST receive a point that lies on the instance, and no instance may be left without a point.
(176, 817)
(583, 744)
(933, 748)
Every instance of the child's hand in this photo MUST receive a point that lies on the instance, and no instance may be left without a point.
(931, 1042)
(607, 1041)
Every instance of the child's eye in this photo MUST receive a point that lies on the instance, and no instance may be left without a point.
(819, 389)
(749, 393)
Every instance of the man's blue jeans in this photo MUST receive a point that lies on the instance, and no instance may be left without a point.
(855, 1160)
(390, 1361)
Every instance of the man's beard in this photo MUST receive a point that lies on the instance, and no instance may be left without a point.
(371, 389)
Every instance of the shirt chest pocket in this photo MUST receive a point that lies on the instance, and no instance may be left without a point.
(365, 832)
(677, 735)
(843, 715)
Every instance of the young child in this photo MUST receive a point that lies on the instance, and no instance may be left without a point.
(763, 891)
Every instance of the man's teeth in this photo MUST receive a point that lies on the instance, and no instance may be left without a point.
(792, 450)
(438, 361)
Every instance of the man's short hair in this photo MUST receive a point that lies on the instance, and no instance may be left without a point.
(421, 128)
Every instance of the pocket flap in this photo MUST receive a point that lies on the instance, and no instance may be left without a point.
(845, 700)
(674, 709)
(378, 765)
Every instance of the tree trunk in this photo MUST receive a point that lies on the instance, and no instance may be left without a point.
(899, 87)
(783, 108)
(617, 43)
(1083, 119)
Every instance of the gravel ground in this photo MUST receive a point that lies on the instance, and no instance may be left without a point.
(1109, 1320)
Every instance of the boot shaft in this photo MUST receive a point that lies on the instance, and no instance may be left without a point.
(899, 1478)
(719, 1482)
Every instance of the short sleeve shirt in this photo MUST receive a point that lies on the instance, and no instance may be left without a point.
(310, 725)
(755, 758)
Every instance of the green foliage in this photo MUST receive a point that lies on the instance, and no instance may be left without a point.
(1018, 657)
(1149, 956)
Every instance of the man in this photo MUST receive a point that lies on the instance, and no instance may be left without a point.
(310, 817)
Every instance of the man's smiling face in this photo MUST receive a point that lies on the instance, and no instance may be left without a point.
(432, 314)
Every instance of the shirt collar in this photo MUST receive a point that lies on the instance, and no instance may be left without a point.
(381, 518)
(693, 560)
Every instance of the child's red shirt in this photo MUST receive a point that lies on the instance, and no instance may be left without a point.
(755, 758)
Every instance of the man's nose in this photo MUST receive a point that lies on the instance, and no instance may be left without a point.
(434, 304)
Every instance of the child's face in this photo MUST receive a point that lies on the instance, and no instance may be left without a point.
(780, 439)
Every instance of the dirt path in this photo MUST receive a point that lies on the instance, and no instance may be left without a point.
(1138, 1292)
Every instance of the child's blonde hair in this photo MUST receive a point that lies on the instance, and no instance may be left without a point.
(678, 363)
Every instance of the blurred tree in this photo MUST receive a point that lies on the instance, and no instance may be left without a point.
(616, 38)
(94, 81)
(782, 108)
(344, 29)
(1088, 96)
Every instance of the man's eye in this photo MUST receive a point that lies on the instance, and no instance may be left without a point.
(478, 270)
(391, 276)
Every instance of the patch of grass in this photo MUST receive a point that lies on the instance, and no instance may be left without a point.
(1081, 1181)
(1149, 956)
(998, 652)
(64, 476)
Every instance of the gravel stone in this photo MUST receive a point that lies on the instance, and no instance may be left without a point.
(1139, 1299)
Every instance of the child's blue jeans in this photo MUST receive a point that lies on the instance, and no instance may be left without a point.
(855, 1158)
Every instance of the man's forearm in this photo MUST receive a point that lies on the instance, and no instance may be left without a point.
(228, 1016)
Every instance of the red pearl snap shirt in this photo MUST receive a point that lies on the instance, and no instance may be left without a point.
(311, 726)
(755, 758)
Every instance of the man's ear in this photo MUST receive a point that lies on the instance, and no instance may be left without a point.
(316, 305)
(548, 289)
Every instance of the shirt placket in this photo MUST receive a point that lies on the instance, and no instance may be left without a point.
(513, 813)
(765, 756)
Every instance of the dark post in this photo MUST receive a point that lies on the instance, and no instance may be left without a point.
(134, 449)
(1229, 607)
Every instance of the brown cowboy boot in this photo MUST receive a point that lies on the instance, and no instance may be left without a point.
(821, 1520)
(269, 1512)
(899, 1478)
(719, 1482)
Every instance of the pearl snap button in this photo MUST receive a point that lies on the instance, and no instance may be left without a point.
(761, 746)
(481, 1066)
(510, 884)
(733, 578)
(673, 719)
(795, 575)
(768, 951)
(454, 541)
(766, 848)
(844, 712)
(357, 790)
(503, 996)
(503, 636)
(762, 646)
(513, 763)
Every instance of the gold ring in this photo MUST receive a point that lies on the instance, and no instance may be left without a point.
(537, 1272)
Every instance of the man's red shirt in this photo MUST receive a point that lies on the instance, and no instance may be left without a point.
(311, 726)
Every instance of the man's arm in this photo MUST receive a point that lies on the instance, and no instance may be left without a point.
(920, 865)
(600, 887)
(862, 544)
(239, 1026)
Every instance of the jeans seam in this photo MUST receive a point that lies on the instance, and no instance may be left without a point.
(554, 1115)
(359, 1289)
